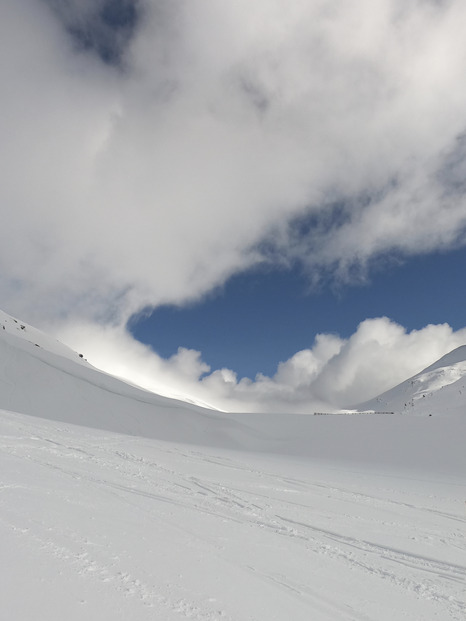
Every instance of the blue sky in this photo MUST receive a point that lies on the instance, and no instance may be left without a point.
(263, 317)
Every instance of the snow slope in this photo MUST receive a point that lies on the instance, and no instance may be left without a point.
(440, 389)
(119, 504)
(42, 377)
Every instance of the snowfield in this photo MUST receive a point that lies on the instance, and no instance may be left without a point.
(119, 504)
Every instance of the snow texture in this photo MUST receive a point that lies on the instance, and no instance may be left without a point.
(438, 390)
(116, 503)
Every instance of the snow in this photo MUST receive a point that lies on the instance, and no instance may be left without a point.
(116, 503)
(440, 389)
(25, 337)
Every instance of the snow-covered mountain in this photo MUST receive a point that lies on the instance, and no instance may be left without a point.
(440, 389)
(119, 504)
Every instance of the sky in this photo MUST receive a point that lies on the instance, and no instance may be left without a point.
(281, 184)
(260, 318)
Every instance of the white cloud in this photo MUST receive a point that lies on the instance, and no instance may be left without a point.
(155, 182)
(334, 373)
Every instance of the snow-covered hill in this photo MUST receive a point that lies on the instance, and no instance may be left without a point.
(119, 504)
(440, 389)
(23, 336)
(40, 376)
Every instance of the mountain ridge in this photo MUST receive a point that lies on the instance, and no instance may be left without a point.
(439, 389)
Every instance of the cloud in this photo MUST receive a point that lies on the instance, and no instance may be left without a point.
(147, 158)
(152, 175)
(104, 27)
(334, 373)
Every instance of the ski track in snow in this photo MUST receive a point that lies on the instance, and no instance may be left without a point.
(103, 496)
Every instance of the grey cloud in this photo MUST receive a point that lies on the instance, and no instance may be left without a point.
(153, 179)
(103, 27)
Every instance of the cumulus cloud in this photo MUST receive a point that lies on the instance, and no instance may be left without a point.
(152, 149)
(335, 373)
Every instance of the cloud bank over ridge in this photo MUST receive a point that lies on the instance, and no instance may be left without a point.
(145, 161)
(332, 374)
